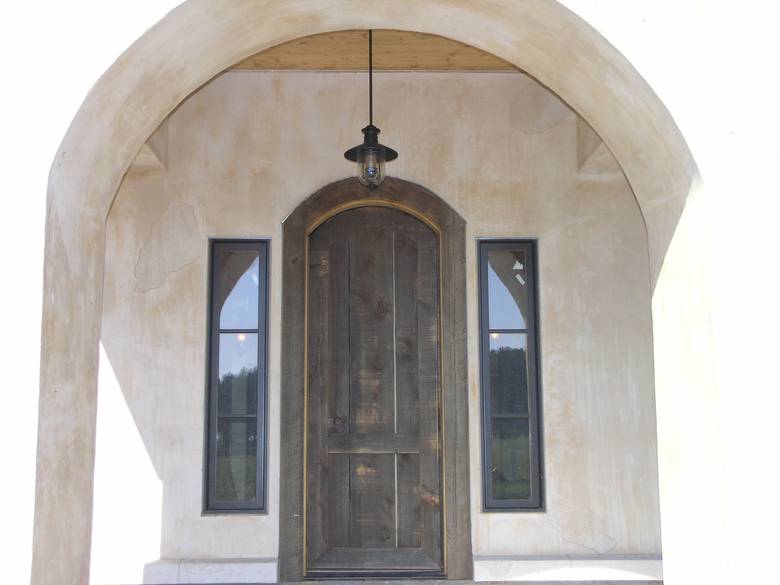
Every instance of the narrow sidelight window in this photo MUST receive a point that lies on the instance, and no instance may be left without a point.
(236, 427)
(512, 469)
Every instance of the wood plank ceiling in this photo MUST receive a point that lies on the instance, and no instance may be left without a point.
(394, 50)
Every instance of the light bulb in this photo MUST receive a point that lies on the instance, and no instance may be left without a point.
(371, 167)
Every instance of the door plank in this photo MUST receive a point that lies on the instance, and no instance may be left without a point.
(338, 316)
(406, 332)
(371, 327)
(319, 359)
(429, 386)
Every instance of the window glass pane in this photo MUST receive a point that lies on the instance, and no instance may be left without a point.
(237, 373)
(508, 373)
(239, 288)
(236, 459)
(236, 393)
(511, 455)
(507, 289)
(510, 393)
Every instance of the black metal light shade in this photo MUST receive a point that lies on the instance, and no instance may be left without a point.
(371, 156)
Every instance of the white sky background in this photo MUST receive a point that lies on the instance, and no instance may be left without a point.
(714, 64)
(52, 53)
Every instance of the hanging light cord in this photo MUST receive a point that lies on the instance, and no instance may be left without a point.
(370, 78)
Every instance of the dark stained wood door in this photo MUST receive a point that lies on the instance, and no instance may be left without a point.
(373, 470)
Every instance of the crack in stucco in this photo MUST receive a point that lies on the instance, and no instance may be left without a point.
(582, 527)
(173, 244)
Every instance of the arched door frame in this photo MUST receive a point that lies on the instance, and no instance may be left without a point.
(451, 229)
(192, 44)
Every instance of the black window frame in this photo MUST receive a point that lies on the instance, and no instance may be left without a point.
(210, 504)
(536, 502)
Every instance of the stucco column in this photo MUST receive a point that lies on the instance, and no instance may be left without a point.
(72, 295)
(689, 456)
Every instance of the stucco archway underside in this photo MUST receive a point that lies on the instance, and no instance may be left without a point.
(191, 45)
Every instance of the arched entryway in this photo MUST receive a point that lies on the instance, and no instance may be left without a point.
(351, 258)
(189, 47)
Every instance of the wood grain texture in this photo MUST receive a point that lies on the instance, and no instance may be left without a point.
(410, 504)
(406, 332)
(430, 401)
(375, 443)
(394, 50)
(372, 504)
(292, 403)
(453, 495)
(338, 511)
(319, 370)
(377, 269)
(370, 284)
(460, 563)
(415, 560)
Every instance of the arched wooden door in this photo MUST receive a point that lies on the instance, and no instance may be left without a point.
(374, 466)
(373, 433)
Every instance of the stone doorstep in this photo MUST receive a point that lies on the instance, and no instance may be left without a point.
(636, 570)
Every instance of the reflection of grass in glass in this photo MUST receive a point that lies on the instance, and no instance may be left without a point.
(511, 475)
(236, 478)
(511, 464)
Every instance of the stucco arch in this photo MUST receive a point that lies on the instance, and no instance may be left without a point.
(183, 51)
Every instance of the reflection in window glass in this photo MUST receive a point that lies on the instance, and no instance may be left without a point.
(239, 289)
(511, 472)
(508, 373)
(507, 289)
(238, 373)
(236, 459)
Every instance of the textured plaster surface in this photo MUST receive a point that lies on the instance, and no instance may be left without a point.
(246, 149)
(182, 52)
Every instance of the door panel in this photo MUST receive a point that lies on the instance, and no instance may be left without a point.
(373, 467)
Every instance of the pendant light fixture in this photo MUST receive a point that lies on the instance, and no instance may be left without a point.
(371, 156)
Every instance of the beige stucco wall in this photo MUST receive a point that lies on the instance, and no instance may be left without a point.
(248, 147)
